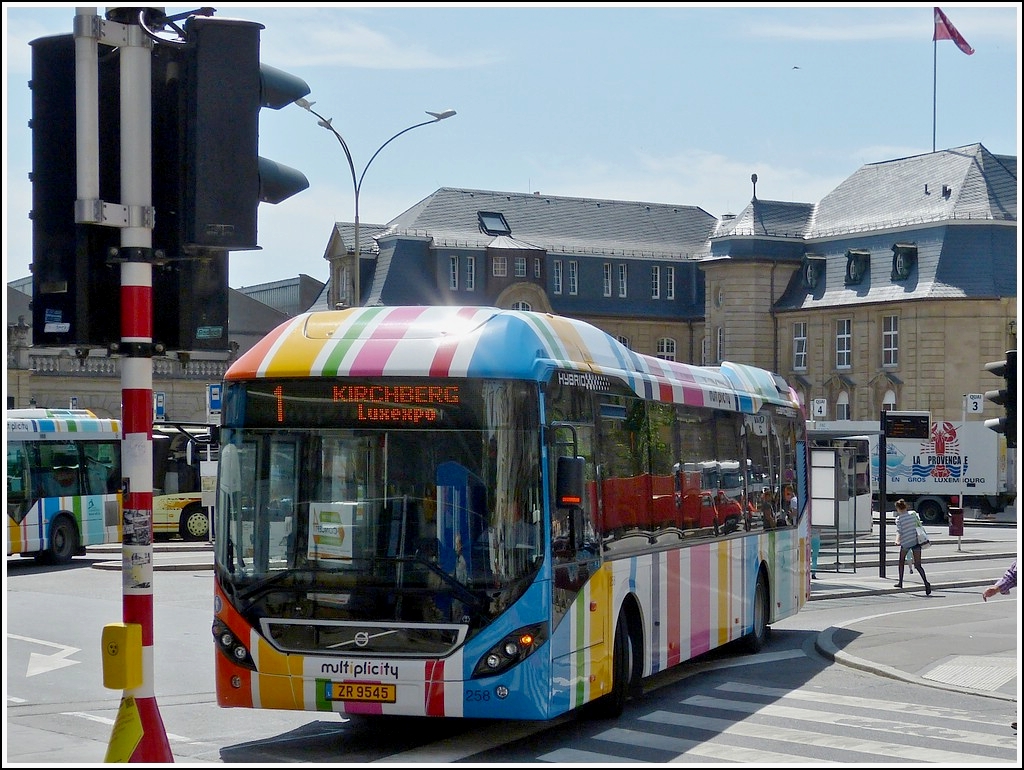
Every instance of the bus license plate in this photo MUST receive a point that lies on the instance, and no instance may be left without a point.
(367, 692)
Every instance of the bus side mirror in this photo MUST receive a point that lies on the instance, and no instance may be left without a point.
(569, 482)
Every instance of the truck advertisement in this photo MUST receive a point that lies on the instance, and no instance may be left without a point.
(957, 458)
(959, 464)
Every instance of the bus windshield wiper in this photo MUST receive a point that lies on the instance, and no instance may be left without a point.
(265, 584)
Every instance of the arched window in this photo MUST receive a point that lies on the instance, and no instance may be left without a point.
(889, 401)
(520, 305)
(667, 348)
(843, 406)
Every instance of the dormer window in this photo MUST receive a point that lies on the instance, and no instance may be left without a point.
(857, 263)
(813, 270)
(493, 223)
(904, 258)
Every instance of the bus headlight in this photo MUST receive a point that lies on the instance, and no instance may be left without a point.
(510, 650)
(230, 645)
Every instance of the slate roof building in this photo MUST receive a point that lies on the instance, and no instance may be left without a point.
(893, 291)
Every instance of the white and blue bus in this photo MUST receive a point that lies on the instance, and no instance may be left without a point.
(63, 482)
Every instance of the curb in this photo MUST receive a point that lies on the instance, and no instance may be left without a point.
(825, 645)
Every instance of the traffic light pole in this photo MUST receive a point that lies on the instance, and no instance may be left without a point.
(138, 734)
(137, 380)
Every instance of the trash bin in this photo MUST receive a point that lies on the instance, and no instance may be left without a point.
(956, 521)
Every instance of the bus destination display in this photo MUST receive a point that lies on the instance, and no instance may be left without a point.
(298, 403)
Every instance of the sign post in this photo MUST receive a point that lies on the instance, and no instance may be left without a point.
(894, 425)
(213, 391)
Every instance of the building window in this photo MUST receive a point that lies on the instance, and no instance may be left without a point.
(521, 305)
(499, 266)
(813, 269)
(520, 267)
(904, 257)
(470, 273)
(574, 277)
(493, 223)
(720, 345)
(556, 276)
(624, 341)
(346, 281)
(622, 280)
(890, 340)
(844, 343)
(670, 283)
(800, 346)
(667, 348)
(607, 280)
(857, 262)
(889, 401)
(655, 283)
(536, 267)
(453, 273)
(843, 406)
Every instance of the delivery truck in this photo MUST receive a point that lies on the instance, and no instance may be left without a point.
(958, 465)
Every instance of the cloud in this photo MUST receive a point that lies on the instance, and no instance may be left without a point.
(334, 41)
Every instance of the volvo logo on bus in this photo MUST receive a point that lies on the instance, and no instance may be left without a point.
(362, 638)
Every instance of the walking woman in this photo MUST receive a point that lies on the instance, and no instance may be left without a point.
(907, 522)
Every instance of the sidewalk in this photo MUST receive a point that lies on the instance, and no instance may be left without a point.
(953, 640)
(950, 641)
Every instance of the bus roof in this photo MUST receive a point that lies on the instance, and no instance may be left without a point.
(59, 423)
(42, 413)
(488, 342)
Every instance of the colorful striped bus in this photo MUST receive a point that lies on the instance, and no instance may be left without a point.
(63, 482)
(475, 512)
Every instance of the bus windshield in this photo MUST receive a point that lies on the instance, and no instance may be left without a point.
(397, 503)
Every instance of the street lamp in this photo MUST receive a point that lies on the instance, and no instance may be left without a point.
(357, 182)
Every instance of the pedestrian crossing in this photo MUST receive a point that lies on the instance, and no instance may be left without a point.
(741, 722)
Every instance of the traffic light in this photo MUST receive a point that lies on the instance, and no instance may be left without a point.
(75, 287)
(208, 177)
(208, 88)
(219, 99)
(1005, 397)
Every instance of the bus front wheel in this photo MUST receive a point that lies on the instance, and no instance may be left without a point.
(194, 523)
(63, 541)
(610, 706)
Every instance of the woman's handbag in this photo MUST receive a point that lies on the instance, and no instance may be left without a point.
(922, 538)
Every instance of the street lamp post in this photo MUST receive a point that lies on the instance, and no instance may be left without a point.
(357, 181)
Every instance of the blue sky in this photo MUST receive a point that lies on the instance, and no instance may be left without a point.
(666, 103)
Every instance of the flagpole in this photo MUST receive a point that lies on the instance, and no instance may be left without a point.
(935, 61)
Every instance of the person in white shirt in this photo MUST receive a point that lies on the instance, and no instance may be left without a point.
(907, 522)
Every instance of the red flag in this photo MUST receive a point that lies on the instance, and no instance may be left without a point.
(944, 30)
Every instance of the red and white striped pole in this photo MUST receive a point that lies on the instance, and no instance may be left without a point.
(137, 382)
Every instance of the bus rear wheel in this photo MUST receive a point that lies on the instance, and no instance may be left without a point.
(63, 541)
(194, 523)
(758, 635)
